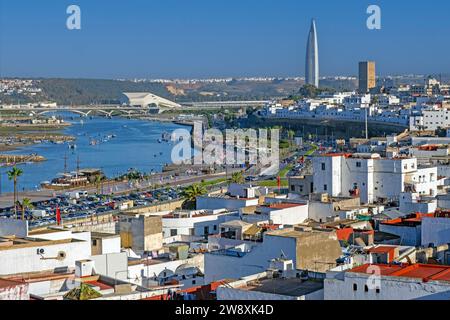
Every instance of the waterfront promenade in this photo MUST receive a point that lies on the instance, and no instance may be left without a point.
(113, 187)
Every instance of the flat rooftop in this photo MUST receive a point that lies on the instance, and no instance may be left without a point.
(46, 231)
(295, 233)
(287, 287)
(41, 276)
(225, 196)
(148, 262)
(286, 205)
(19, 243)
(103, 235)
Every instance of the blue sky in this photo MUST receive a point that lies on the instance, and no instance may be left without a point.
(219, 38)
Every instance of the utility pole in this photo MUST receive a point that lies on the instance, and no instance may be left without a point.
(367, 126)
(65, 163)
(78, 165)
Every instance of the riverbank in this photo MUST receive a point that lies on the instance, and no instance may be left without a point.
(10, 160)
(135, 146)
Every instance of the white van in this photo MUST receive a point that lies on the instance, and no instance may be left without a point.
(39, 213)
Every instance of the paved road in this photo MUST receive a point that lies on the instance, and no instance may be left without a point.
(6, 200)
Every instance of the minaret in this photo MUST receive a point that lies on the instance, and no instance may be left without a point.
(312, 57)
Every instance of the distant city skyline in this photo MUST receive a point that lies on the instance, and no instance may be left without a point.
(218, 39)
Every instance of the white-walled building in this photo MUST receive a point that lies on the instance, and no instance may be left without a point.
(28, 255)
(414, 203)
(279, 213)
(238, 196)
(221, 201)
(405, 282)
(303, 246)
(435, 231)
(278, 283)
(195, 223)
(430, 118)
(105, 243)
(157, 271)
(357, 101)
(374, 177)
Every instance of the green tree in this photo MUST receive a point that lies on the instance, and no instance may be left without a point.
(237, 177)
(14, 175)
(191, 193)
(98, 180)
(26, 204)
(291, 134)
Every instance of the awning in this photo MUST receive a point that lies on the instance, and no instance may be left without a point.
(252, 231)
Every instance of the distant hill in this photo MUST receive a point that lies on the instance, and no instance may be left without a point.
(87, 91)
(98, 91)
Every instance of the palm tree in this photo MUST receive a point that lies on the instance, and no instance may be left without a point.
(98, 181)
(191, 193)
(26, 204)
(237, 177)
(14, 174)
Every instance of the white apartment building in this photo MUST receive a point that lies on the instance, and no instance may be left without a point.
(358, 101)
(335, 98)
(430, 118)
(387, 100)
(374, 177)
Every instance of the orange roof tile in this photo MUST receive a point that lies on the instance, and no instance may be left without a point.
(425, 272)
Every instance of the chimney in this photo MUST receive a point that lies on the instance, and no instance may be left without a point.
(84, 268)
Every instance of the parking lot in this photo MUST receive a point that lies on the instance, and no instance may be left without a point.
(43, 213)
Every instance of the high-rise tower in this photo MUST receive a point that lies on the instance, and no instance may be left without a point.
(367, 76)
(312, 57)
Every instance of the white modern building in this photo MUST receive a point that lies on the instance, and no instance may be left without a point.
(372, 176)
(148, 100)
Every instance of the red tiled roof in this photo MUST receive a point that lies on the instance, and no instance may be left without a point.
(4, 283)
(345, 155)
(101, 285)
(414, 218)
(344, 234)
(425, 272)
(381, 249)
(284, 205)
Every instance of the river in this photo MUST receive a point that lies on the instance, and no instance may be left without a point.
(135, 145)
